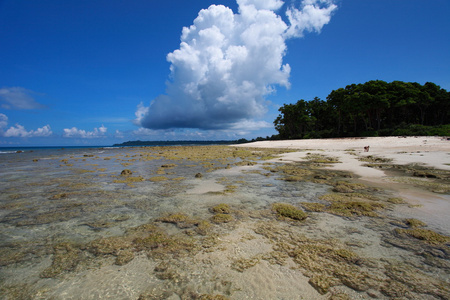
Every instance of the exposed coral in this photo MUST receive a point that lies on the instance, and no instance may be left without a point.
(126, 172)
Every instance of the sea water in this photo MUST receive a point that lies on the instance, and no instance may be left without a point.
(55, 202)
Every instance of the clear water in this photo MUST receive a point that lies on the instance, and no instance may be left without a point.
(54, 196)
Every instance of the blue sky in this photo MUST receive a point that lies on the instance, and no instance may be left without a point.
(103, 72)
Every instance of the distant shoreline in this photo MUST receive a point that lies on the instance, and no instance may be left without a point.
(177, 143)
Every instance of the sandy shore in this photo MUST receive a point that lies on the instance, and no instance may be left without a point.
(426, 151)
(431, 151)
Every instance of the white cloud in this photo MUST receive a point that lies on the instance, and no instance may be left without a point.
(228, 63)
(262, 4)
(250, 125)
(20, 131)
(145, 132)
(119, 134)
(312, 16)
(44, 131)
(102, 129)
(3, 121)
(80, 133)
(18, 98)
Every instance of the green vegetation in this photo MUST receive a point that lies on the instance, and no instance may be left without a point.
(374, 108)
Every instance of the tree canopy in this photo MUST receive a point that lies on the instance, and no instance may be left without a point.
(374, 108)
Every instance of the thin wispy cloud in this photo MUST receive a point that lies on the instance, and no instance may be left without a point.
(74, 132)
(18, 98)
(3, 121)
(228, 63)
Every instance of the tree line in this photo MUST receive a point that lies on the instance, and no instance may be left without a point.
(374, 108)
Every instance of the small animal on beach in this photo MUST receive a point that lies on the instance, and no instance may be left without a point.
(366, 148)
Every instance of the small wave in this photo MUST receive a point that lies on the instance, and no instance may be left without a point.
(7, 152)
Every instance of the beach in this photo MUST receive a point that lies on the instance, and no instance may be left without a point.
(297, 219)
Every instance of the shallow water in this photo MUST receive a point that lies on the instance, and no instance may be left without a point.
(56, 204)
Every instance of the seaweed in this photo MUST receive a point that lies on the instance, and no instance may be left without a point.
(221, 218)
(314, 207)
(66, 257)
(414, 223)
(243, 264)
(179, 219)
(352, 205)
(221, 208)
(289, 211)
(428, 236)
(158, 178)
(321, 159)
(326, 262)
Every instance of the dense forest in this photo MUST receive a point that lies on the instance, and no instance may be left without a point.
(374, 108)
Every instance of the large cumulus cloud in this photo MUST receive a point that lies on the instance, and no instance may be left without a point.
(228, 63)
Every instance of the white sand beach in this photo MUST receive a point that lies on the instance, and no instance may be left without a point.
(430, 151)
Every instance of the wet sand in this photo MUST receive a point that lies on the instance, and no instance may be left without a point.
(200, 222)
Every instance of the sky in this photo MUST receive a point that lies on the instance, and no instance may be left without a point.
(99, 72)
